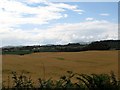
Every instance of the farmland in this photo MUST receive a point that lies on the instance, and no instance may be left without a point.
(55, 64)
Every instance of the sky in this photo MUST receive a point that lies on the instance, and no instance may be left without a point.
(40, 22)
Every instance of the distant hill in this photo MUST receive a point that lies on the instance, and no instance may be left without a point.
(104, 45)
(71, 47)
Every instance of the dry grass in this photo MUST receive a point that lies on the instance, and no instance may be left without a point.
(55, 64)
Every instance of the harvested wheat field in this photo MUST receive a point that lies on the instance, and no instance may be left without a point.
(55, 64)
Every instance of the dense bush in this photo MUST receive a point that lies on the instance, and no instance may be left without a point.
(69, 81)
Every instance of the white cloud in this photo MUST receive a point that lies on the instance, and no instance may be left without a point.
(35, 1)
(65, 15)
(89, 19)
(62, 33)
(104, 14)
(67, 6)
(12, 12)
(79, 11)
(62, 5)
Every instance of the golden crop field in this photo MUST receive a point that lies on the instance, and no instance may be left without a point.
(55, 64)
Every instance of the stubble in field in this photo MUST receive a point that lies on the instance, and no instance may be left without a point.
(55, 64)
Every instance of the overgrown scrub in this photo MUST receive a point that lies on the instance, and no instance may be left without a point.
(69, 81)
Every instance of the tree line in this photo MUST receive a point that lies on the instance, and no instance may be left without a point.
(71, 47)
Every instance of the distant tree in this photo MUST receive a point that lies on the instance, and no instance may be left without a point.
(98, 46)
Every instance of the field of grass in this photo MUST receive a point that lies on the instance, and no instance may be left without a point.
(55, 64)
